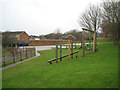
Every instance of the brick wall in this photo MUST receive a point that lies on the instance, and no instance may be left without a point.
(24, 37)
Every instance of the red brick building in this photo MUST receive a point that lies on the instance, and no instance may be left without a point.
(19, 35)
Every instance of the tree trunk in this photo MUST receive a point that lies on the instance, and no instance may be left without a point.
(83, 43)
(89, 40)
(94, 41)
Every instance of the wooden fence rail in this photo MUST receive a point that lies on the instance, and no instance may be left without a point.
(50, 61)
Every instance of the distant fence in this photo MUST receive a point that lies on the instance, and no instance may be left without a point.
(15, 55)
(47, 42)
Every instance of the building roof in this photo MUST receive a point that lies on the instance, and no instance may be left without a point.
(43, 37)
(31, 37)
(70, 37)
(13, 33)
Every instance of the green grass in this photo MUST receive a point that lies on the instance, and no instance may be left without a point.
(96, 70)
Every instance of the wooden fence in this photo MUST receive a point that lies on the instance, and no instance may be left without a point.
(56, 59)
(16, 55)
(47, 42)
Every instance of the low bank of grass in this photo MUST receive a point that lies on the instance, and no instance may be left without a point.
(95, 70)
(102, 39)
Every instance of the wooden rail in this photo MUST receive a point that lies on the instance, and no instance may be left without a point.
(88, 30)
(50, 61)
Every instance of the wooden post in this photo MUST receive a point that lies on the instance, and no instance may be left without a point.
(4, 59)
(26, 53)
(76, 55)
(69, 49)
(94, 41)
(21, 55)
(13, 57)
(34, 51)
(75, 46)
(51, 62)
(94, 38)
(56, 53)
(72, 49)
(89, 40)
(60, 51)
(31, 52)
(83, 44)
(83, 49)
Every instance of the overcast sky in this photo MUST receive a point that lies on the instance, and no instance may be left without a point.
(38, 17)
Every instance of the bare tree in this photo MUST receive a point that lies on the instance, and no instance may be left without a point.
(57, 34)
(110, 21)
(91, 19)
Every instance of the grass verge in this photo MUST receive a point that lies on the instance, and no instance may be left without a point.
(95, 70)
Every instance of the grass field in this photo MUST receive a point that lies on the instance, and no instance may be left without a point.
(96, 70)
